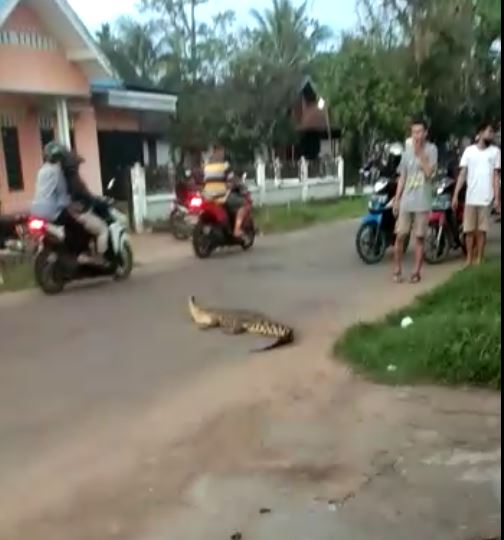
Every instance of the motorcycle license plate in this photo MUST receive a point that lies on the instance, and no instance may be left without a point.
(192, 220)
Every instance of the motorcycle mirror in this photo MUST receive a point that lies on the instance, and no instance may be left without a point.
(111, 184)
(396, 149)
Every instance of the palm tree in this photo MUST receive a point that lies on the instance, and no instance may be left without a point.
(287, 35)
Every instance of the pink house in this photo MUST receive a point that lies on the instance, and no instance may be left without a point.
(56, 83)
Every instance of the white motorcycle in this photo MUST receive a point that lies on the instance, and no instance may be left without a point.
(65, 253)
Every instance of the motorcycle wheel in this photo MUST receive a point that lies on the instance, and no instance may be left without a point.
(436, 252)
(125, 265)
(369, 251)
(179, 228)
(250, 235)
(47, 276)
(202, 242)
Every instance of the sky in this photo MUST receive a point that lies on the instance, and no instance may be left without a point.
(342, 17)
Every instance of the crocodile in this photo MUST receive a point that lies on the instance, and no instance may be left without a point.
(239, 321)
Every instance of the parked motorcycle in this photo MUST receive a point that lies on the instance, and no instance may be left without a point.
(377, 231)
(215, 225)
(445, 230)
(61, 250)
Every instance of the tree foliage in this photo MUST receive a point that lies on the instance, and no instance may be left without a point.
(237, 84)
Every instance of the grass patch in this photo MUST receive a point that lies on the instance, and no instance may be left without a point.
(16, 277)
(455, 338)
(298, 215)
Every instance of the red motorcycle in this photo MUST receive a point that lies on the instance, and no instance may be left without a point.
(215, 226)
(184, 215)
(445, 231)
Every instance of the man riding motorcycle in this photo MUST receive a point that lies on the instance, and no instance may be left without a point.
(219, 177)
(61, 196)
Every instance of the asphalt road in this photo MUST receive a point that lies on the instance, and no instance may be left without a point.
(76, 368)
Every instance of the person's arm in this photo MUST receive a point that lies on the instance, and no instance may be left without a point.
(429, 161)
(496, 181)
(401, 182)
(460, 184)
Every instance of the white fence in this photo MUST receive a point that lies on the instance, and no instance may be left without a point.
(265, 191)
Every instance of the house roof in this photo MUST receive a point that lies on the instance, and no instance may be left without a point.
(66, 27)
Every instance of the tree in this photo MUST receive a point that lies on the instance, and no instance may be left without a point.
(287, 35)
(370, 98)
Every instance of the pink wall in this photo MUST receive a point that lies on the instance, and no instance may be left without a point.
(29, 70)
(86, 142)
(26, 112)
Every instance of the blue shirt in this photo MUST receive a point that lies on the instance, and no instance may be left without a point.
(51, 193)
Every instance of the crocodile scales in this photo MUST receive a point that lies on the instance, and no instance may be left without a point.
(238, 321)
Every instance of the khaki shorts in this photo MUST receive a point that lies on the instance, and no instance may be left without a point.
(412, 222)
(476, 218)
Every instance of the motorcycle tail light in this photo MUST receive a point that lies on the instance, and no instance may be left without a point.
(196, 202)
(36, 225)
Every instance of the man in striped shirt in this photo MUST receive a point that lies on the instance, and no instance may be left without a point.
(218, 176)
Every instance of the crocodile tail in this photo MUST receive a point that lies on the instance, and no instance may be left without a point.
(286, 339)
(196, 312)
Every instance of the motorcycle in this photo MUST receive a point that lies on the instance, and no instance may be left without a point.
(184, 215)
(61, 250)
(215, 225)
(445, 231)
(377, 231)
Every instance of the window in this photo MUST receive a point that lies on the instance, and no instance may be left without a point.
(12, 154)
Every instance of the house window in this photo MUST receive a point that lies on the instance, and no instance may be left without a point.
(12, 155)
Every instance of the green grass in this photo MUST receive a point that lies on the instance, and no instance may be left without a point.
(455, 338)
(16, 277)
(285, 218)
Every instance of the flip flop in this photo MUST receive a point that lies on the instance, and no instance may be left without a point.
(415, 278)
(397, 277)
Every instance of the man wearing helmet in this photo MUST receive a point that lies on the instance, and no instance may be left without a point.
(60, 194)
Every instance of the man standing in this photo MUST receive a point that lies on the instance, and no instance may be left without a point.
(413, 199)
(480, 168)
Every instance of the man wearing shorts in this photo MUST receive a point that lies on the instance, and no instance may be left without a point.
(413, 199)
(480, 168)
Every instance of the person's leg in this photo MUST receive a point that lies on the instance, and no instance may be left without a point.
(419, 229)
(97, 228)
(481, 234)
(240, 218)
(403, 227)
(469, 226)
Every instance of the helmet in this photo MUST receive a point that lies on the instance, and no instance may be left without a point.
(54, 151)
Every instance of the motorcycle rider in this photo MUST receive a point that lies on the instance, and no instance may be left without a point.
(218, 176)
(62, 200)
(51, 198)
(85, 207)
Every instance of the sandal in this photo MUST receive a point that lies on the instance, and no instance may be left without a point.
(397, 277)
(415, 278)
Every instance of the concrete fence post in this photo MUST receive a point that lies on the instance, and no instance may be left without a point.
(261, 180)
(139, 197)
(340, 167)
(303, 177)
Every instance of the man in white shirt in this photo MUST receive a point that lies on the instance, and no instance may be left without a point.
(480, 167)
